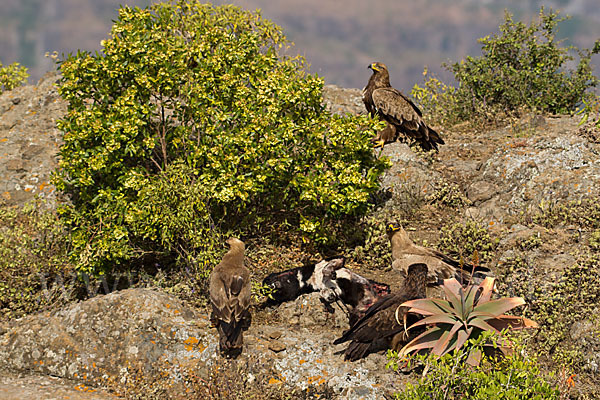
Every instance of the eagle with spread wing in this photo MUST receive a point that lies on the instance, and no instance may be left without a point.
(400, 113)
(379, 328)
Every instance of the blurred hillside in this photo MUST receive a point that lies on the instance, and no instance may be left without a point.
(338, 37)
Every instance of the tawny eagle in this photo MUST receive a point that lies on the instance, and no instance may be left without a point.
(230, 298)
(379, 329)
(400, 113)
(439, 266)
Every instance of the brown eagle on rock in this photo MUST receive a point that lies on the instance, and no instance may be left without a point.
(379, 329)
(230, 299)
(400, 113)
(439, 266)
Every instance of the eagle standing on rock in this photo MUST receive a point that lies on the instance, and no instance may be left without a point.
(400, 113)
(379, 329)
(405, 253)
(230, 299)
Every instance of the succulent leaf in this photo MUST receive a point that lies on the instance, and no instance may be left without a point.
(499, 306)
(466, 314)
(428, 306)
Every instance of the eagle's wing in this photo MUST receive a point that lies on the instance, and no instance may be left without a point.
(399, 110)
(436, 269)
(391, 103)
(241, 301)
(378, 322)
(219, 299)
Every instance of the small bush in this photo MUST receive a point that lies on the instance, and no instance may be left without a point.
(34, 267)
(574, 298)
(12, 76)
(531, 242)
(512, 377)
(447, 194)
(523, 66)
(467, 240)
(515, 278)
(585, 213)
(595, 240)
(191, 125)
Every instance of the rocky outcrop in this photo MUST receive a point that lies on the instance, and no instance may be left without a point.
(29, 140)
(115, 337)
(100, 337)
(111, 340)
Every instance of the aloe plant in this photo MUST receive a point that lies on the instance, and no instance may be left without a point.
(464, 315)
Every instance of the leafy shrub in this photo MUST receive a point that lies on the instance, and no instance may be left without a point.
(513, 377)
(466, 315)
(595, 240)
(34, 267)
(447, 194)
(531, 242)
(573, 298)
(467, 240)
(585, 213)
(437, 99)
(189, 96)
(11, 76)
(374, 248)
(522, 66)
(515, 277)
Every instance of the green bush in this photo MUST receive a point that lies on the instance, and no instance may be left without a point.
(11, 76)
(190, 124)
(523, 66)
(512, 377)
(469, 241)
(34, 267)
(557, 306)
(447, 194)
(584, 213)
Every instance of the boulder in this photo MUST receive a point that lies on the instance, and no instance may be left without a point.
(118, 339)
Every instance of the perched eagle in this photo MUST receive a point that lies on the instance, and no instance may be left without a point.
(230, 299)
(440, 266)
(379, 329)
(401, 114)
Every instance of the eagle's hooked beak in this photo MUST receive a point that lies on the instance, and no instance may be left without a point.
(393, 227)
(373, 67)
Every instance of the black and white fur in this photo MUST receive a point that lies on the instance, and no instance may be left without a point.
(334, 284)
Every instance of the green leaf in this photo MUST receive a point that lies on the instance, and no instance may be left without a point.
(497, 307)
(425, 340)
(428, 306)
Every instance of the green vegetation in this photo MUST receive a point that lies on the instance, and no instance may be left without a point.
(467, 240)
(557, 306)
(590, 111)
(465, 315)
(447, 194)
(522, 67)
(190, 126)
(514, 377)
(585, 213)
(531, 242)
(11, 76)
(34, 267)
(595, 240)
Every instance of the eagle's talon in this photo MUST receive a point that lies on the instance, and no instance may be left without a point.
(378, 143)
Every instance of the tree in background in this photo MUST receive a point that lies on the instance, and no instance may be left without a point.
(190, 125)
(11, 76)
(521, 68)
